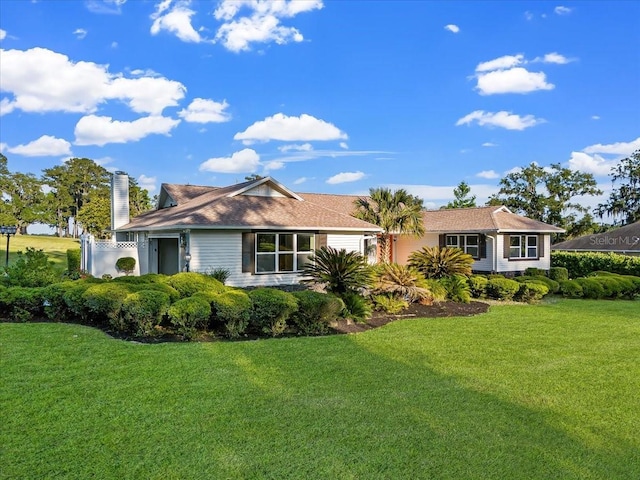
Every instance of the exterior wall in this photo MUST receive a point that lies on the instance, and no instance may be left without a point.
(263, 190)
(348, 241)
(102, 257)
(506, 265)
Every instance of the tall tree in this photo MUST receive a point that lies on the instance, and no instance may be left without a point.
(624, 200)
(395, 212)
(462, 198)
(22, 198)
(546, 194)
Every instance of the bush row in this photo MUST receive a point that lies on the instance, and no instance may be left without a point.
(581, 264)
(602, 285)
(185, 304)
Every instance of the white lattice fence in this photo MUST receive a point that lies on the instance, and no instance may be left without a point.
(99, 258)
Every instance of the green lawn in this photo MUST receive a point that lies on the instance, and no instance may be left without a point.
(549, 391)
(55, 247)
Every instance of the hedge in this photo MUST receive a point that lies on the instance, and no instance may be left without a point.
(188, 283)
(502, 288)
(233, 310)
(315, 312)
(142, 311)
(581, 264)
(271, 309)
(188, 315)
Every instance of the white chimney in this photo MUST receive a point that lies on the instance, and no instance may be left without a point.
(119, 200)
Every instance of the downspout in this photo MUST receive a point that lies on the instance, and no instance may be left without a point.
(494, 254)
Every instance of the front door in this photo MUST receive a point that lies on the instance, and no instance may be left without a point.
(168, 256)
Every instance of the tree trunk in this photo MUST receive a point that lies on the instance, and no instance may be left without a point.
(385, 248)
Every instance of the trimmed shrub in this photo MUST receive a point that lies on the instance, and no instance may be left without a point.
(315, 312)
(187, 315)
(571, 289)
(436, 262)
(502, 288)
(356, 307)
(55, 307)
(126, 265)
(591, 288)
(233, 309)
(104, 301)
(534, 272)
(558, 274)
(457, 288)
(31, 269)
(635, 281)
(188, 283)
(73, 260)
(401, 282)
(271, 309)
(73, 298)
(531, 291)
(142, 311)
(478, 286)
(389, 304)
(551, 285)
(581, 264)
(22, 304)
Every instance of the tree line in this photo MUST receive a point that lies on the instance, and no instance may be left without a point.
(73, 197)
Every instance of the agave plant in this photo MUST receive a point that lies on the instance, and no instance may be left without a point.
(402, 281)
(339, 271)
(436, 262)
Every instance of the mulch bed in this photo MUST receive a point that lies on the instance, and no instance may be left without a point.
(415, 310)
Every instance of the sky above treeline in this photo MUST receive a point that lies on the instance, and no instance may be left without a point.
(324, 96)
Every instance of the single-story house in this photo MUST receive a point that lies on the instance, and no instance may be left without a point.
(624, 240)
(262, 233)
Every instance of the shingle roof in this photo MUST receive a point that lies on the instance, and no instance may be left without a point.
(219, 208)
(623, 239)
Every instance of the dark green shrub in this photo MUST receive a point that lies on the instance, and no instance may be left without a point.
(73, 298)
(389, 304)
(457, 288)
(356, 307)
(271, 309)
(126, 265)
(534, 272)
(187, 315)
(531, 292)
(22, 304)
(55, 307)
(315, 312)
(436, 262)
(142, 311)
(104, 301)
(591, 288)
(478, 286)
(73, 260)
(558, 274)
(635, 281)
(502, 288)
(571, 289)
(188, 283)
(581, 264)
(220, 274)
(339, 271)
(551, 285)
(437, 289)
(401, 282)
(32, 269)
(233, 309)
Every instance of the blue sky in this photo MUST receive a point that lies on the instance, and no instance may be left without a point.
(325, 96)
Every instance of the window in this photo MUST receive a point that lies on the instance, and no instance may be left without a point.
(467, 243)
(523, 246)
(282, 252)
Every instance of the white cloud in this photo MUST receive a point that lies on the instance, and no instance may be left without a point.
(501, 119)
(274, 165)
(300, 180)
(6, 106)
(594, 164)
(95, 130)
(528, 15)
(45, 146)
(344, 145)
(80, 33)
(175, 19)
(262, 25)
(114, 44)
(562, 10)
(514, 170)
(202, 110)
(443, 194)
(452, 28)
(501, 63)
(595, 117)
(3, 34)
(619, 148)
(45, 81)
(554, 57)
(346, 177)
(3, 147)
(147, 183)
(488, 174)
(109, 7)
(305, 147)
(489, 144)
(290, 129)
(513, 80)
(244, 161)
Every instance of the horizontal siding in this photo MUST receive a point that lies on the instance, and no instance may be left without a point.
(350, 242)
(506, 265)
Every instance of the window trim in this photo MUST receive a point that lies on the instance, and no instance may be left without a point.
(464, 243)
(523, 243)
(276, 253)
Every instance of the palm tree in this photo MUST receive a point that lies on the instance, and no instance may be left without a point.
(397, 213)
